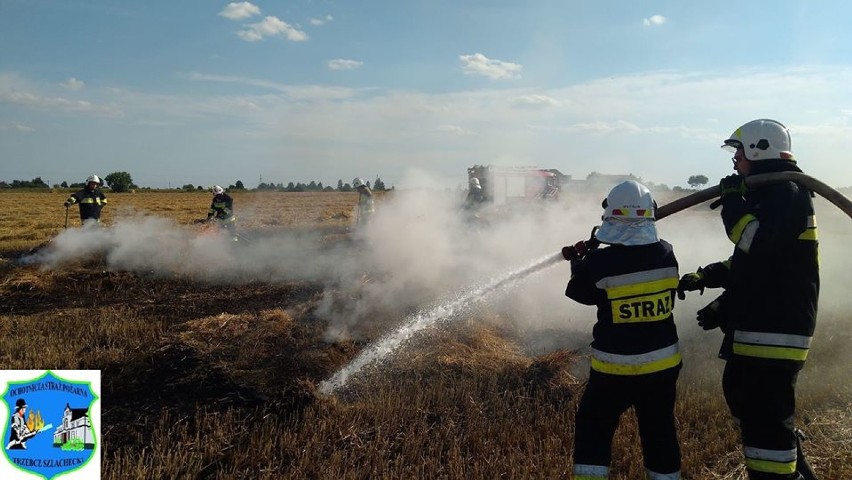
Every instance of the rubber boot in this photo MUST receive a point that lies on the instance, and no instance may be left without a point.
(802, 465)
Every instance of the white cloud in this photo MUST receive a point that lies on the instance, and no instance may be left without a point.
(343, 64)
(321, 21)
(618, 126)
(654, 20)
(60, 104)
(73, 84)
(270, 27)
(533, 101)
(18, 127)
(302, 92)
(452, 130)
(662, 126)
(239, 11)
(479, 64)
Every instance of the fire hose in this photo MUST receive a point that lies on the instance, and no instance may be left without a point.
(701, 196)
(814, 185)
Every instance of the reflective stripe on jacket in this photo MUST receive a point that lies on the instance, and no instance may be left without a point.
(640, 364)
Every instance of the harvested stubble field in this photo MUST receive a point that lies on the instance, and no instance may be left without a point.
(213, 379)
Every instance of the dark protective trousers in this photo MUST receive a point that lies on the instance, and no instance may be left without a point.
(608, 396)
(761, 395)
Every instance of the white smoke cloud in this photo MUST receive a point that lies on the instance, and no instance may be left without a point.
(421, 251)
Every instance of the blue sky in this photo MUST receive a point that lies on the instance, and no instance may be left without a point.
(414, 92)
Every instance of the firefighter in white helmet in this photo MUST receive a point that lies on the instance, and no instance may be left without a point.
(90, 199)
(222, 211)
(474, 194)
(768, 309)
(635, 354)
(366, 206)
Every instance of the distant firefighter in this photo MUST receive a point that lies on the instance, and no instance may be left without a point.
(91, 200)
(474, 194)
(222, 211)
(366, 207)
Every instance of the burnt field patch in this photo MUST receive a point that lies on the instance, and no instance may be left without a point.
(215, 374)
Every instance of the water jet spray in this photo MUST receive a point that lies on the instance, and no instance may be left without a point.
(451, 307)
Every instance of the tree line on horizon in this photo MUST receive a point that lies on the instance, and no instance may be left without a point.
(313, 186)
(123, 182)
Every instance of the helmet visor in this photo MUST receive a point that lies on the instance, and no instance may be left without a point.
(732, 145)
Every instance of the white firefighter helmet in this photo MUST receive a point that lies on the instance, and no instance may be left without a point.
(628, 217)
(94, 178)
(762, 139)
(358, 182)
(474, 183)
(217, 190)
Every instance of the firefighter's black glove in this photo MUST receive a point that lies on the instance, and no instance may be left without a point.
(730, 187)
(578, 250)
(709, 317)
(691, 282)
(67, 204)
(570, 252)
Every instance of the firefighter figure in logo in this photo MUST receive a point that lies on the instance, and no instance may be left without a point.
(20, 432)
(769, 306)
(222, 211)
(635, 355)
(91, 200)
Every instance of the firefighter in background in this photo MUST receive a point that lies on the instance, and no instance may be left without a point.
(769, 306)
(222, 211)
(366, 207)
(91, 200)
(474, 201)
(474, 194)
(635, 354)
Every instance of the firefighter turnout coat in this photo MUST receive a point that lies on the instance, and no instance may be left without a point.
(222, 208)
(91, 202)
(772, 279)
(634, 289)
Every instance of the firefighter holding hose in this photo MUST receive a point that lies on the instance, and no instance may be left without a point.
(635, 355)
(768, 309)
